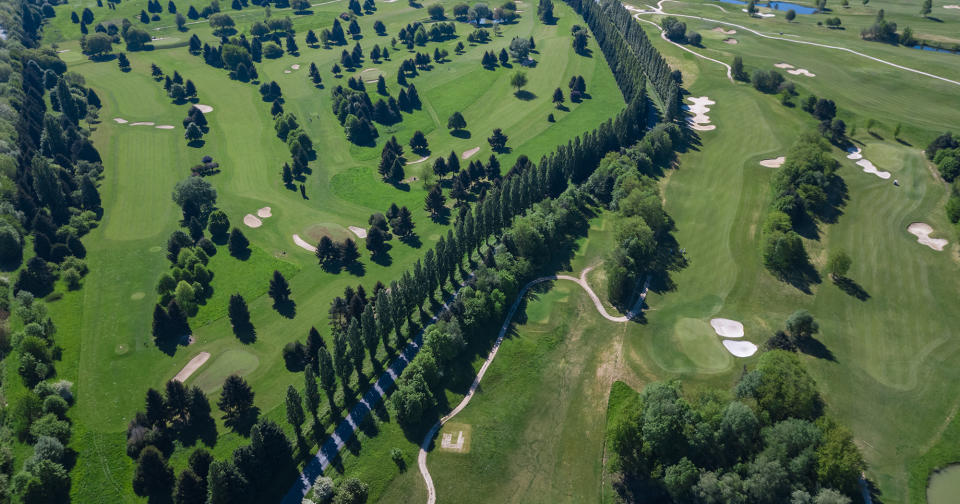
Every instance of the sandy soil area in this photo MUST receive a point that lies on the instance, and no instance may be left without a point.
(142, 124)
(740, 348)
(700, 120)
(723, 31)
(922, 231)
(868, 167)
(727, 328)
(252, 221)
(295, 67)
(192, 366)
(303, 244)
(773, 163)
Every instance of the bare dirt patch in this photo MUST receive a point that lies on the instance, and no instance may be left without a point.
(192, 366)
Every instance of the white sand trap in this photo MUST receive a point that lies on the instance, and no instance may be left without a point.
(164, 126)
(264, 212)
(783, 65)
(725, 32)
(740, 348)
(120, 120)
(773, 163)
(869, 168)
(295, 67)
(727, 328)
(801, 71)
(760, 14)
(424, 158)
(468, 153)
(700, 120)
(359, 231)
(303, 244)
(252, 221)
(731, 41)
(206, 109)
(192, 366)
(854, 153)
(286, 71)
(142, 124)
(951, 6)
(922, 231)
(61, 51)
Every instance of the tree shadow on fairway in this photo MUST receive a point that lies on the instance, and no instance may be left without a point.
(196, 144)
(852, 288)
(203, 429)
(382, 256)
(356, 268)
(287, 308)
(246, 333)
(462, 134)
(244, 422)
(816, 348)
(524, 95)
(411, 240)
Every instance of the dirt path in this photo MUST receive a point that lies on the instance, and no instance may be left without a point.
(582, 282)
(659, 10)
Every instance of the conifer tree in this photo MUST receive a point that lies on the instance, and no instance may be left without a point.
(311, 394)
(328, 377)
(295, 416)
(279, 289)
(341, 359)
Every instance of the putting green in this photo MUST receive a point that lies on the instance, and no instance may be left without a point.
(370, 75)
(233, 361)
(336, 232)
(697, 348)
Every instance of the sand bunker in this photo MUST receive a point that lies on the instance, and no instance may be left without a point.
(783, 65)
(868, 167)
(740, 348)
(295, 67)
(142, 124)
(727, 328)
(468, 153)
(192, 366)
(359, 231)
(725, 32)
(286, 71)
(424, 158)
(951, 6)
(264, 212)
(206, 109)
(252, 221)
(165, 126)
(700, 120)
(120, 120)
(801, 71)
(760, 14)
(922, 231)
(731, 41)
(303, 244)
(773, 163)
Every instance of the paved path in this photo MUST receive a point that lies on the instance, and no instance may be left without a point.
(347, 427)
(659, 10)
(582, 282)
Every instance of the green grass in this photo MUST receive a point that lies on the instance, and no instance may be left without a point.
(105, 328)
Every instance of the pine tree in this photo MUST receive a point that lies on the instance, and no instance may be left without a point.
(453, 163)
(328, 380)
(295, 416)
(368, 327)
(153, 476)
(160, 322)
(237, 244)
(348, 251)
(279, 289)
(341, 359)
(440, 167)
(311, 394)
(403, 225)
(435, 201)
(239, 313)
(355, 340)
(236, 398)
(383, 310)
(397, 314)
(430, 272)
(558, 97)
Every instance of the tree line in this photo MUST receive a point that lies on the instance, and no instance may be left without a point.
(766, 441)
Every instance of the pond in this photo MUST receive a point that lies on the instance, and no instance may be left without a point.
(782, 6)
(935, 49)
(944, 486)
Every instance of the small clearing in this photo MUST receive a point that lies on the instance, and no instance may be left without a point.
(731, 41)
(370, 75)
(192, 366)
(801, 71)
(206, 109)
(303, 244)
(700, 120)
(740, 348)
(359, 231)
(727, 328)
(252, 221)
(264, 212)
(466, 154)
(165, 126)
(120, 120)
(725, 32)
(923, 231)
(424, 158)
(783, 65)
(773, 163)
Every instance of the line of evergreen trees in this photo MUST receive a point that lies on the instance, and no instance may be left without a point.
(630, 53)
